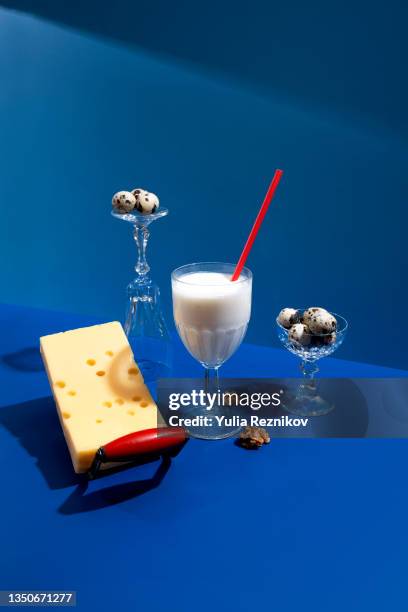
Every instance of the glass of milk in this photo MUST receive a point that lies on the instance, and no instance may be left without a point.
(211, 314)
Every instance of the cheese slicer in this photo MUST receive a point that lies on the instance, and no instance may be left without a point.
(154, 441)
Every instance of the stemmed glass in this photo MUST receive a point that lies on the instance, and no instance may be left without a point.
(211, 314)
(145, 325)
(306, 401)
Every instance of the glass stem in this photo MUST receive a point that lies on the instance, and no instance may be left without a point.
(141, 236)
(309, 369)
(211, 380)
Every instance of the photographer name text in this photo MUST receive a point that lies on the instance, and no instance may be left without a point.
(236, 421)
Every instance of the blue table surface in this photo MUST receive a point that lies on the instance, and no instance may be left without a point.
(301, 524)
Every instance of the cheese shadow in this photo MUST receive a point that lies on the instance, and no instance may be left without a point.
(80, 501)
(36, 426)
(25, 360)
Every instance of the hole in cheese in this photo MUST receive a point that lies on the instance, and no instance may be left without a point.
(131, 412)
(133, 371)
(60, 384)
(100, 373)
(136, 398)
(66, 415)
(119, 401)
(109, 353)
(72, 393)
(107, 404)
(144, 404)
(91, 362)
(99, 420)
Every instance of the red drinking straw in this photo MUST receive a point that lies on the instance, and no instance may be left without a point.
(258, 222)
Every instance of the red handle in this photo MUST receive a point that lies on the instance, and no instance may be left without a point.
(144, 442)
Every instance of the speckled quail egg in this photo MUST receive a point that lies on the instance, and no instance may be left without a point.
(123, 201)
(300, 334)
(322, 322)
(288, 317)
(138, 192)
(325, 340)
(146, 202)
(310, 312)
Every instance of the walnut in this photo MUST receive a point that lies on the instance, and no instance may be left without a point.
(254, 437)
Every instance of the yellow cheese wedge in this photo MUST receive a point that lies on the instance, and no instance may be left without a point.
(98, 388)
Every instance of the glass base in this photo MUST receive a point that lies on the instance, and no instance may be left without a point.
(307, 406)
(147, 332)
(205, 426)
(196, 432)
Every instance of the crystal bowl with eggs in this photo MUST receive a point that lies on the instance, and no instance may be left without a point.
(311, 333)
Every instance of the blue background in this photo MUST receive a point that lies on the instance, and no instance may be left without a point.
(200, 102)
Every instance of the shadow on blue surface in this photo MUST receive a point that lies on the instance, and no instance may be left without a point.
(25, 360)
(350, 416)
(28, 422)
(79, 502)
(48, 447)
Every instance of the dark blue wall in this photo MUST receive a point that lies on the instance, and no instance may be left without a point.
(200, 103)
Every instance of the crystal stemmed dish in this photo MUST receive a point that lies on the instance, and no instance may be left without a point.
(211, 314)
(306, 401)
(145, 324)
